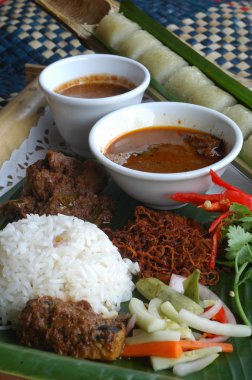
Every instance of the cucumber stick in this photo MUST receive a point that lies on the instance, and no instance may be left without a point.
(156, 336)
(169, 311)
(144, 319)
(159, 364)
(152, 287)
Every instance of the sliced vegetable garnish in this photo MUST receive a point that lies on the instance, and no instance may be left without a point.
(169, 310)
(188, 347)
(213, 312)
(191, 286)
(205, 293)
(143, 318)
(220, 316)
(194, 366)
(170, 349)
(157, 336)
(154, 306)
(196, 344)
(159, 364)
(214, 327)
(162, 349)
(235, 205)
(152, 287)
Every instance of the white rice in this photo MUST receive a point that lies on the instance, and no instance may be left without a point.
(60, 256)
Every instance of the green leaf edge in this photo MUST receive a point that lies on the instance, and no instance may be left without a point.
(36, 364)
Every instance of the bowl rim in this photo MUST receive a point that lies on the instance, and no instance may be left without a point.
(162, 177)
(94, 101)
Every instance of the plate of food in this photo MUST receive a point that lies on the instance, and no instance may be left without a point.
(167, 245)
(97, 284)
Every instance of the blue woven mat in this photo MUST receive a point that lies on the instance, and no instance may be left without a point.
(222, 31)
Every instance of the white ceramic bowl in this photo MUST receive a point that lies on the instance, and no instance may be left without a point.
(153, 189)
(74, 117)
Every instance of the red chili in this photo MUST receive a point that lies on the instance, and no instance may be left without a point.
(208, 336)
(217, 221)
(238, 197)
(195, 198)
(214, 250)
(219, 203)
(219, 181)
(220, 316)
(223, 205)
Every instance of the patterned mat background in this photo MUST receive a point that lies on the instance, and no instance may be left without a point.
(220, 30)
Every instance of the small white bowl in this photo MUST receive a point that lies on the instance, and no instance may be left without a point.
(154, 189)
(74, 117)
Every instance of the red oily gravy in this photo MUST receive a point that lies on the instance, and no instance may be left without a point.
(165, 149)
(95, 86)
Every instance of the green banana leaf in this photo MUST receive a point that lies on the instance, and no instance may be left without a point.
(35, 364)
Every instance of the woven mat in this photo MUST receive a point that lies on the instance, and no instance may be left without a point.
(222, 31)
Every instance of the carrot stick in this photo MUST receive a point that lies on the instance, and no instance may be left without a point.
(171, 349)
(195, 344)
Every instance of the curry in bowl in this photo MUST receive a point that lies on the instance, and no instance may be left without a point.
(180, 133)
(163, 149)
(95, 86)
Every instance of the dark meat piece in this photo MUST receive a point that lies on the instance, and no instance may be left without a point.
(58, 173)
(17, 209)
(92, 207)
(66, 185)
(207, 145)
(70, 328)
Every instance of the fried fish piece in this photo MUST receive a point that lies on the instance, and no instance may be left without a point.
(71, 328)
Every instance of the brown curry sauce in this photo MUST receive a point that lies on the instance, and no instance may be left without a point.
(95, 86)
(162, 149)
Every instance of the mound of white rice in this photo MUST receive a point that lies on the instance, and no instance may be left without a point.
(60, 256)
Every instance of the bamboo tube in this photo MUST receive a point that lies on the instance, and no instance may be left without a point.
(18, 117)
(80, 16)
(32, 71)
